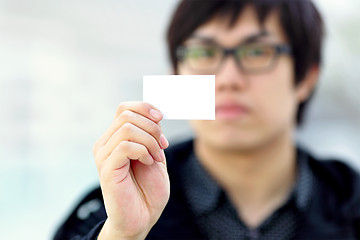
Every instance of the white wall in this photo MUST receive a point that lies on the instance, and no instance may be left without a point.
(333, 127)
(65, 66)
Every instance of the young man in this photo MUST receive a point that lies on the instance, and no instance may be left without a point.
(241, 177)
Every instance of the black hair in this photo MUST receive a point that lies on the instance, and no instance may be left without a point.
(300, 20)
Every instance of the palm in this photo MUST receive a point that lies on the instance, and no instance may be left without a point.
(140, 197)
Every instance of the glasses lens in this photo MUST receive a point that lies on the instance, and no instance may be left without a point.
(203, 57)
(256, 57)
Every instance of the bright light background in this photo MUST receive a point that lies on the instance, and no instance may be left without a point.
(66, 65)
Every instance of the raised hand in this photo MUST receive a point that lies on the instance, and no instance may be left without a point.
(132, 171)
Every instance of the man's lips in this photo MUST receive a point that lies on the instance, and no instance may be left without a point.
(230, 110)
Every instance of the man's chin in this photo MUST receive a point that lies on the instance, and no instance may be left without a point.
(237, 146)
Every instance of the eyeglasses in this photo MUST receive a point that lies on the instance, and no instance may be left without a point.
(207, 58)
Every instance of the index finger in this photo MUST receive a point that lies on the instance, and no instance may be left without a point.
(142, 108)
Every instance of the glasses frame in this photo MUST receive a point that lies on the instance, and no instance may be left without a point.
(279, 49)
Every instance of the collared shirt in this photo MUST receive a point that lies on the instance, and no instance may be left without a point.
(218, 218)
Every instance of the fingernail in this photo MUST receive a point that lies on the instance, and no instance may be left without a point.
(155, 114)
(163, 141)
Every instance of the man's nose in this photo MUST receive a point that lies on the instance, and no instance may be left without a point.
(230, 76)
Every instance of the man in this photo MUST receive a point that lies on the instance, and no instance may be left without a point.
(241, 177)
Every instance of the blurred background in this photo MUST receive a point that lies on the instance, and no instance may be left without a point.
(66, 65)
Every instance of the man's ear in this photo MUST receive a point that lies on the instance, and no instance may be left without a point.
(306, 87)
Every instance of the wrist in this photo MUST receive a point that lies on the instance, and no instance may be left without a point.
(109, 233)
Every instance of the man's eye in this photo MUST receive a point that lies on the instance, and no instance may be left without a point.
(201, 52)
(256, 52)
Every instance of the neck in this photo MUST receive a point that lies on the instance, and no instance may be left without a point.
(260, 177)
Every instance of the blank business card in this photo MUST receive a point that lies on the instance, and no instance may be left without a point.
(181, 96)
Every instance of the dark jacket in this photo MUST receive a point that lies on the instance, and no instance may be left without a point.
(334, 212)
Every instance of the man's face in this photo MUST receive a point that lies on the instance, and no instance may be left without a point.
(252, 110)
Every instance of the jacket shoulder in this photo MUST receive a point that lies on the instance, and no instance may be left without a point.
(337, 174)
(339, 186)
(89, 212)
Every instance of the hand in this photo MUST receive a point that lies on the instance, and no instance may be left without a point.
(132, 170)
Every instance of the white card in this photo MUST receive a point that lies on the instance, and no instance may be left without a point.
(181, 96)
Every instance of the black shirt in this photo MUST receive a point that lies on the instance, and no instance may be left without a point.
(324, 204)
(218, 219)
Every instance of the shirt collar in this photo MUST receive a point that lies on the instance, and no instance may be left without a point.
(204, 193)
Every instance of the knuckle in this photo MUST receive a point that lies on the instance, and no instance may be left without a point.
(126, 128)
(123, 146)
(120, 108)
(127, 115)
